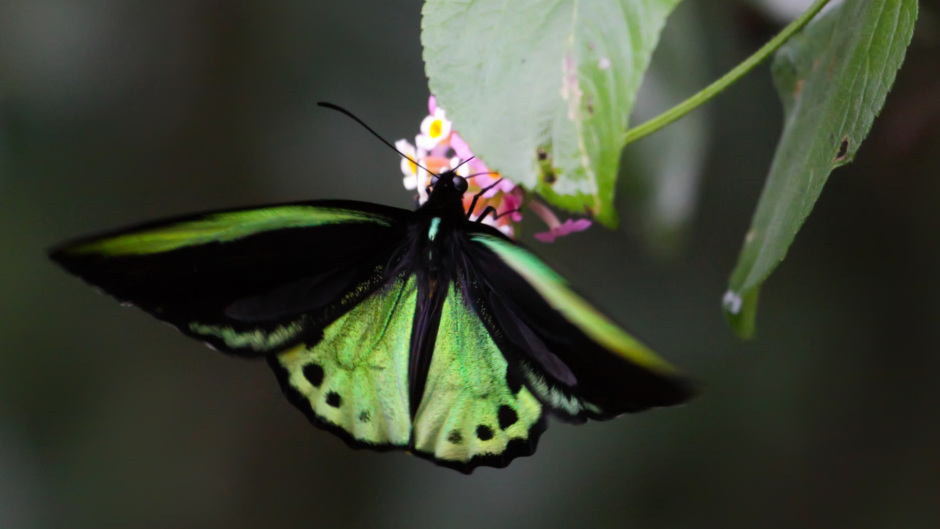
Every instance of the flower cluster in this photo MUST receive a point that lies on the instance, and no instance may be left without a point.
(438, 148)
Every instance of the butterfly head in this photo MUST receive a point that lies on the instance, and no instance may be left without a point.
(448, 184)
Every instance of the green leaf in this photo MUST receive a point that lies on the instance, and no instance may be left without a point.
(542, 89)
(833, 79)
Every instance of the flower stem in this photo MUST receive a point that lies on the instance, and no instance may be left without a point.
(715, 88)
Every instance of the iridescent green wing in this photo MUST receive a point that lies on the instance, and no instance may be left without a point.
(472, 412)
(354, 380)
(251, 281)
(572, 358)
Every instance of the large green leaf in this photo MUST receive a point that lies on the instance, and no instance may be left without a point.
(542, 89)
(833, 79)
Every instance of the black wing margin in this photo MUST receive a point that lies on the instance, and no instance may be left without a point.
(248, 281)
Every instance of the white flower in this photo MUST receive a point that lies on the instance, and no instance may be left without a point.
(410, 171)
(422, 186)
(434, 129)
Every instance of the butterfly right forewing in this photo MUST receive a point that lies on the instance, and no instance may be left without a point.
(572, 357)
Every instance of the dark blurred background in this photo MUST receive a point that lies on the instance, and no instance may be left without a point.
(114, 112)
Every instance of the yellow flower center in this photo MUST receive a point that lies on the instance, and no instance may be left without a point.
(436, 127)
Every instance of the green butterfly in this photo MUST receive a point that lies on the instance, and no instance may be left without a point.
(417, 330)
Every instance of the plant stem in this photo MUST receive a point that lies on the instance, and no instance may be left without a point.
(715, 88)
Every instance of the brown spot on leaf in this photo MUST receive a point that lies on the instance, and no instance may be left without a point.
(549, 176)
(843, 149)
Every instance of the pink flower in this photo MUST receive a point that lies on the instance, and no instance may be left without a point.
(459, 145)
(439, 148)
(486, 180)
(556, 228)
(569, 226)
(512, 201)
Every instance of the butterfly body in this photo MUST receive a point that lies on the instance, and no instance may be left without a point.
(418, 330)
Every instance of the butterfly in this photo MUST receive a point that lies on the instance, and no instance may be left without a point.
(421, 330)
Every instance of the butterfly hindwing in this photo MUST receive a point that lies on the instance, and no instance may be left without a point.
(247, 281)
(471, 412)
(354, 380)
(573, 359)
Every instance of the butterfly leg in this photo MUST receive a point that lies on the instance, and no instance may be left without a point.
(486, 211)
(491, 210)
(473, 203)
(507, 212)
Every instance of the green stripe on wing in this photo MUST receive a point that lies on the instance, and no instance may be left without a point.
(554, 289)
(260, 340)
(224, 227)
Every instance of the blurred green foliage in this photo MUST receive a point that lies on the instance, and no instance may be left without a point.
(114, 112)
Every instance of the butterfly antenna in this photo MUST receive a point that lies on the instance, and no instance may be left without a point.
(474, 175)
(338, 108)
(460, 164)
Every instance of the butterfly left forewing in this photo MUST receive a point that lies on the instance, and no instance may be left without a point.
(473, 412)
(247, 281)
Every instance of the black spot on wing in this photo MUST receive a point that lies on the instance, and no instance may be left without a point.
(455, 437)
(364, 416)
(333, 399)
(507, 417)
(314, 374)
(484, 432)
